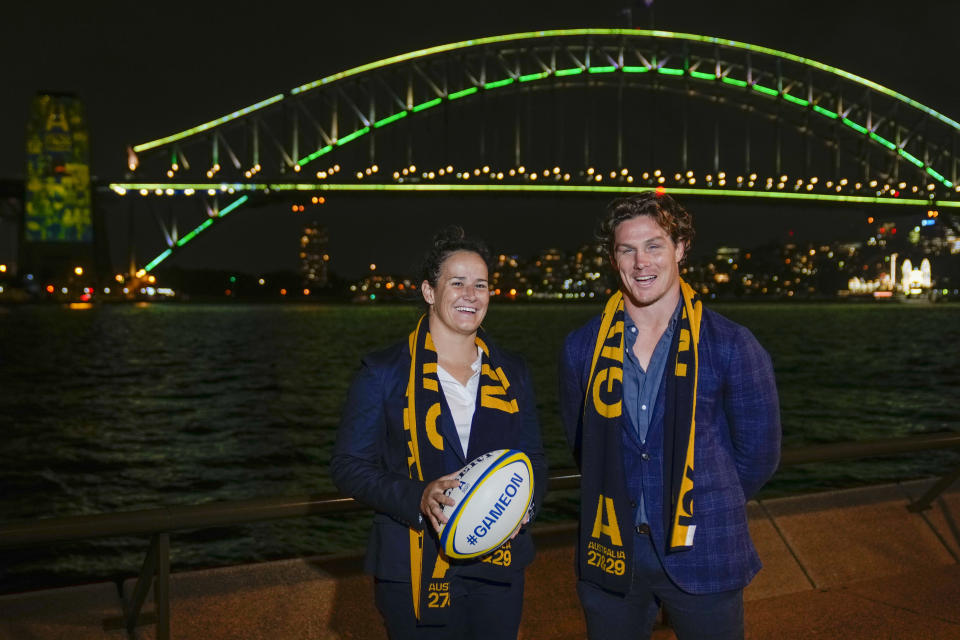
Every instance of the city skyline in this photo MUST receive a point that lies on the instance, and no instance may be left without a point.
(397, 228)
(784, 270)
(884, 260)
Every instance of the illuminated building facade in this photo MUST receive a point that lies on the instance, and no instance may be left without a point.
(915, 280)
(58, 203)
(58, 230)
(314, 258)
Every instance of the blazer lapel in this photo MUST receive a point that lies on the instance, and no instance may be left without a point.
(448, 429)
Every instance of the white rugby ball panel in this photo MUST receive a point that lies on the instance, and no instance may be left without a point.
(493, 495)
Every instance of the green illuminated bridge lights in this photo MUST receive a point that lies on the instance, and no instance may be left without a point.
(836, 106)
(493, 185)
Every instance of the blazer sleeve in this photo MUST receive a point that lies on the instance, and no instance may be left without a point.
(366, 464)
(753, 412)
(572, 390)
(531, 441)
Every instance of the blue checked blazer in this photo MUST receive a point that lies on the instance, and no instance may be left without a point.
(737, 449)
(370, 457)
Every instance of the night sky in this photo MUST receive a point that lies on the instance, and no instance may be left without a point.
(148, 71)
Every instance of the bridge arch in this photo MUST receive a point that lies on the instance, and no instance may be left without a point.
(286, 142)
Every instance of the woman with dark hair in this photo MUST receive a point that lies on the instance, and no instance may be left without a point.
(417, 412)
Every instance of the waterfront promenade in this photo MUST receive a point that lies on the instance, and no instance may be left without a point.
(851, 564)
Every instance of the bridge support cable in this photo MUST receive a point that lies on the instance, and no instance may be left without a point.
(371, 118)
(214, 155)
(747, 167)
(684, 132)
(484, 105)
(955, 161)
(131, 239)
(556, 132)
(234, 160)
(716, 146)
(168, 240)
(517, 156)
(255, 141)
(619, 162)
(530, 121)
(588, 138)
(651, 131)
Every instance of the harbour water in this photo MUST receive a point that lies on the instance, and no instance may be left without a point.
(123, 407)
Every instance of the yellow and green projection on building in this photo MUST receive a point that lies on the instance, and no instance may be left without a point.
(58, 204)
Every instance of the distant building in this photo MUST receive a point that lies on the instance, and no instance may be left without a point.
(551, 269)
(11, 217)
(58, 229)
(901, 277)
(58, 205)
(915, 280)
(508, 275)
(314, 259)
(727, 254)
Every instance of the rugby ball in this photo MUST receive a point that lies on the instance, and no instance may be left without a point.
(493, 496)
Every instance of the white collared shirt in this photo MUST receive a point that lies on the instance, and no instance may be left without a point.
(462, 399)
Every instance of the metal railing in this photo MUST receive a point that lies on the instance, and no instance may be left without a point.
(160, 522)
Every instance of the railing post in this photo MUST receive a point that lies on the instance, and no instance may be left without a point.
(923, 502)
(131, 613)
(161, 586)
(156, 569)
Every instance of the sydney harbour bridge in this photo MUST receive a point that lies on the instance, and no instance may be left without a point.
(585, 110)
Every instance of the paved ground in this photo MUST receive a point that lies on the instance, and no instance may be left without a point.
(845, 565)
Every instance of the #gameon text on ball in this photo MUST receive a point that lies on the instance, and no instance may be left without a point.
(500, 506)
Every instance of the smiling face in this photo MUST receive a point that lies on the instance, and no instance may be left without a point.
(458, 302)
(648, 263)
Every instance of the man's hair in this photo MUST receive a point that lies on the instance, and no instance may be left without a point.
(447, 241)
(665, 211)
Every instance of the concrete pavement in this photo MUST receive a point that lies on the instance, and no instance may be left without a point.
(852, 564)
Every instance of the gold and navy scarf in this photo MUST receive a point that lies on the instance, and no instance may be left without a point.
(607, 516)
(496, 415)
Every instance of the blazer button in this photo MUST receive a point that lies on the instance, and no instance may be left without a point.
(645, 455)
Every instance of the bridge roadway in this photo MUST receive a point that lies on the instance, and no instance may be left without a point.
(851, 564)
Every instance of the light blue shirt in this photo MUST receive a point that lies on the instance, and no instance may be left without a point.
(640, 388)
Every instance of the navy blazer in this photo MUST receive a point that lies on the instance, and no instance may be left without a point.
(370, 457)
(737, 449)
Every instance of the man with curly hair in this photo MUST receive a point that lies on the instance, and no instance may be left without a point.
(672, 414)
